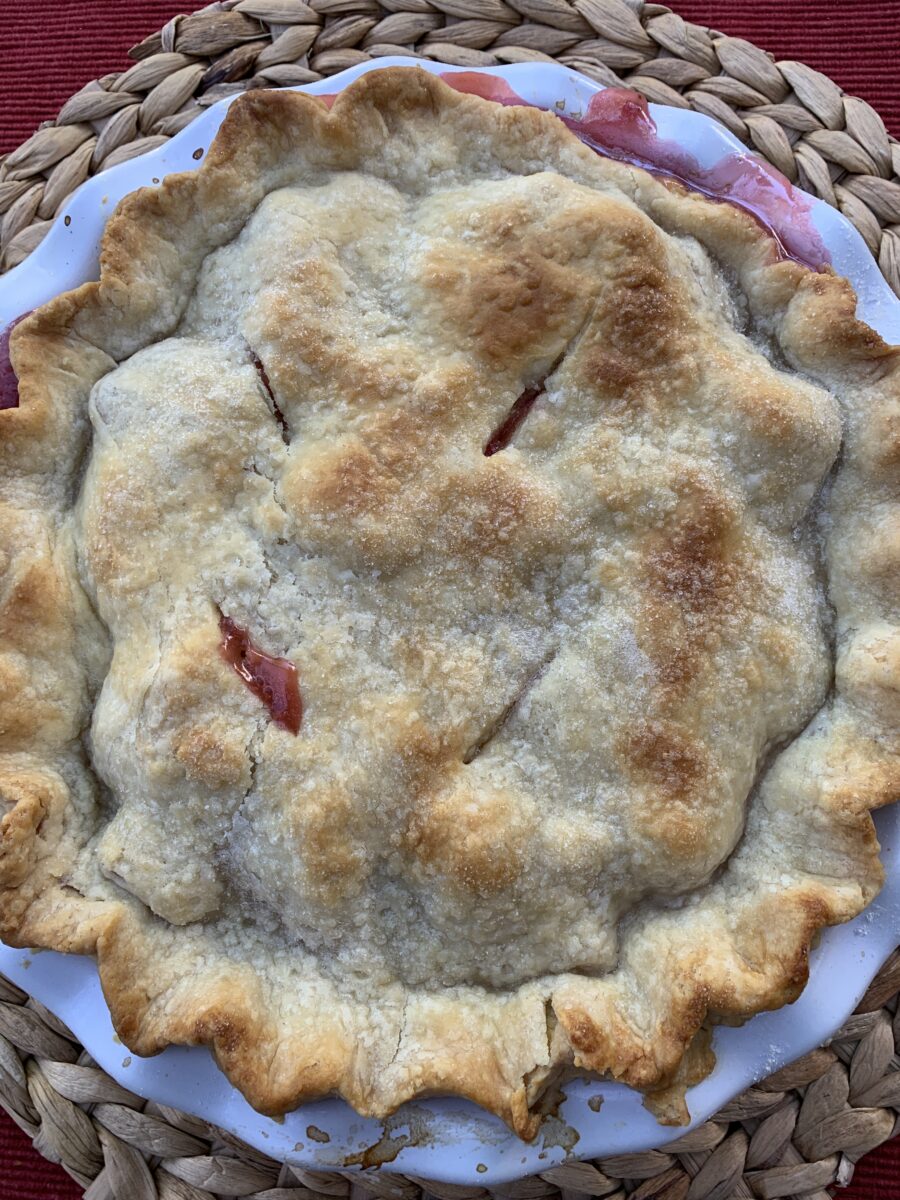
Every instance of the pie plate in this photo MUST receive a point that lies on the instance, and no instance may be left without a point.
(443, 1138)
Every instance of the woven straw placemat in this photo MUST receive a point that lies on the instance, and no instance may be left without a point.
(801, 1130)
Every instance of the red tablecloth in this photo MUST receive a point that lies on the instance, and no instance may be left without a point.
(49, 48)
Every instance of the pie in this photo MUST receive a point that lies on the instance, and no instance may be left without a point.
(446, 581)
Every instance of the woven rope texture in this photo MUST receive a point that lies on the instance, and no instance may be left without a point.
(801, 1131)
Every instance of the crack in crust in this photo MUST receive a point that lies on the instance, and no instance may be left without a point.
(616, 889)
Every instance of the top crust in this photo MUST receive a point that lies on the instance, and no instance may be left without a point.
(592, 725)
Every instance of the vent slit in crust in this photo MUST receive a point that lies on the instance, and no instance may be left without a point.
(509, 426)
(492, 728)
(270, 395)
(272, 680)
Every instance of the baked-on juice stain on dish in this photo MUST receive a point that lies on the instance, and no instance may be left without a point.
(272, 680)
(9, 384)
(618, 124)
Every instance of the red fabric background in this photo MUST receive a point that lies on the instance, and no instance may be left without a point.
(51, 47)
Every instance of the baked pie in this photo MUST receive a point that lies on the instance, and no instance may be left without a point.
(446, 599)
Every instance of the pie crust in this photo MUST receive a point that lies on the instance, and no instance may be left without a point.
(595, 698)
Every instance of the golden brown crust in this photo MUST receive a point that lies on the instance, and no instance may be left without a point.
(601, 737)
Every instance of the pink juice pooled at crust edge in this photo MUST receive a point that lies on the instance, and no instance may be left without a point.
(9, 384)
(618, 125)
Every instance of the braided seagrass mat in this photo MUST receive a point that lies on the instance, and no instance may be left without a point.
(801, 1130)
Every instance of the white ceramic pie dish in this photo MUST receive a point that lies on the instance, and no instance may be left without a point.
(450, 1139)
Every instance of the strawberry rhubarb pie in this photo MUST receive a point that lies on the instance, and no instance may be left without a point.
(446, 585)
